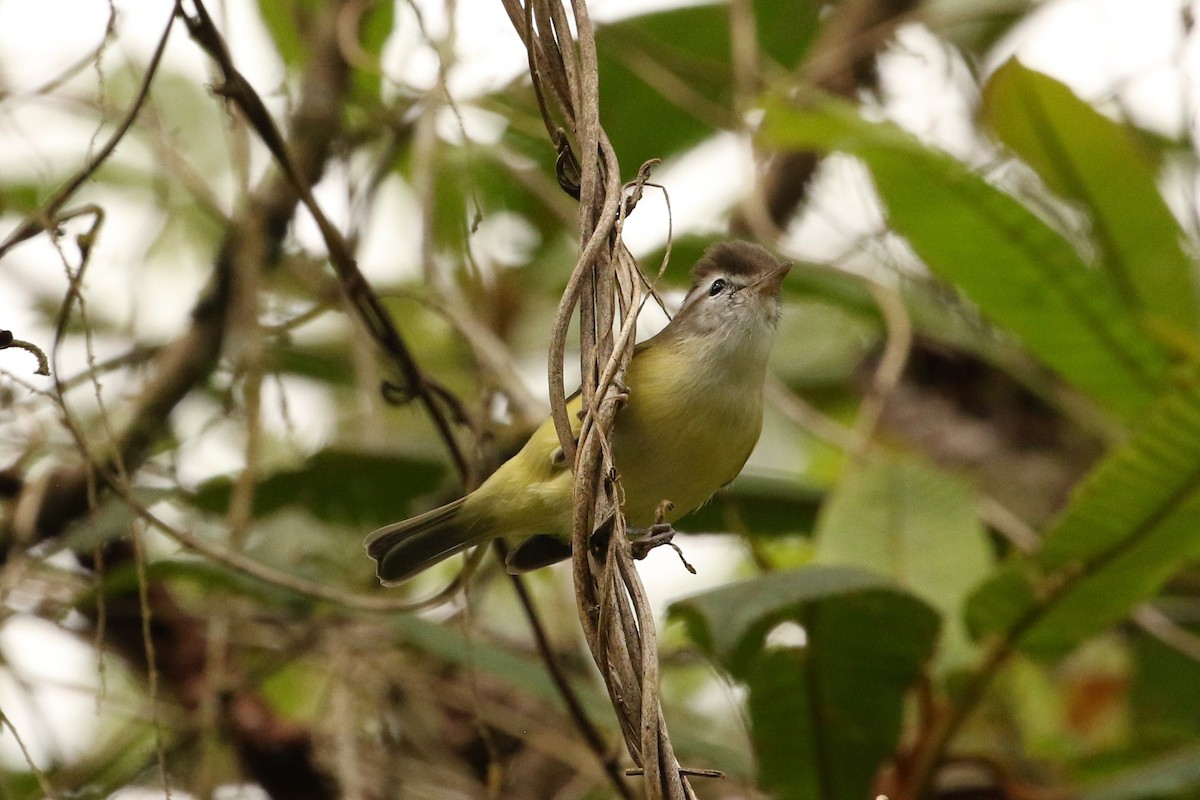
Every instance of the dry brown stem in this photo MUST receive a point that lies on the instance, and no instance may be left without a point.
(841, 61)
(606, 287)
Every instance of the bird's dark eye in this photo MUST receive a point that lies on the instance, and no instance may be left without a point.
(717, 286)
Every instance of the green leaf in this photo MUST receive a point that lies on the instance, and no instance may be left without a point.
(787, 29)
(375, 26)
(335, 485)
(663, 92)
(1163, 698)
(902, 518)
(326, 363)
(817, 732)
(1131, 524)
(974, 25)
(285, 21)
(20, 198)
(762, 505)
(1176, 774)
(1100, 165)
(1020, 272)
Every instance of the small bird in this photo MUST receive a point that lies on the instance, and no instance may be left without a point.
(693, 414)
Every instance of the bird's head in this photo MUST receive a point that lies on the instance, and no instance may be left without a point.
(734, 294)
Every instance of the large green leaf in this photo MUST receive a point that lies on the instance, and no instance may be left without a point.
(765, 506)
(901, 518)
(285, 21)
(817, 731)
(1019, 271)
(336, 485)
(1100, 165)
(1175, 774)
(662, 92)
(1132, 523)
(1163, 696)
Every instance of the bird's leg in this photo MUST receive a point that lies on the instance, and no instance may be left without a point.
(643, 540)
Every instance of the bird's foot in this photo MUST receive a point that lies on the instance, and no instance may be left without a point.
(643, 540)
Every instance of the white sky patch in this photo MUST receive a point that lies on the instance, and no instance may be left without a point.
(58, 673)
(701, 183)
(1096, 45)
(391, 247)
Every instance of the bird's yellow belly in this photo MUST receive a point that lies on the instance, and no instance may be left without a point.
(683, 460)
(676, 440)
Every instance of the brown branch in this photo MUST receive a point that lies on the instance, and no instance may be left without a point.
(276, 754)
(439, 402)
(7, 341)
(842, 61)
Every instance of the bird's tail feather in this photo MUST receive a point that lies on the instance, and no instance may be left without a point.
(403, 549)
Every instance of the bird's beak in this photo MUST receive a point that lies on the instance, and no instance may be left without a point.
(769, 284)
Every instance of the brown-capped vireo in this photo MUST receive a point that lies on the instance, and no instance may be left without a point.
(693, 415)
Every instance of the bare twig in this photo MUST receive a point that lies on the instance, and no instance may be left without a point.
(42, 781)
(370, 603)
(888, 373)
(83, 62)
(7, 341)
(1154, 622)
(136, 355)
(148, 649)
(438, 401)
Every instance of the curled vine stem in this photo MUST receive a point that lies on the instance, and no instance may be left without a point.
(607, 287)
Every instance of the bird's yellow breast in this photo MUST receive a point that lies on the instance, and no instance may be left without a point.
(687, 429)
